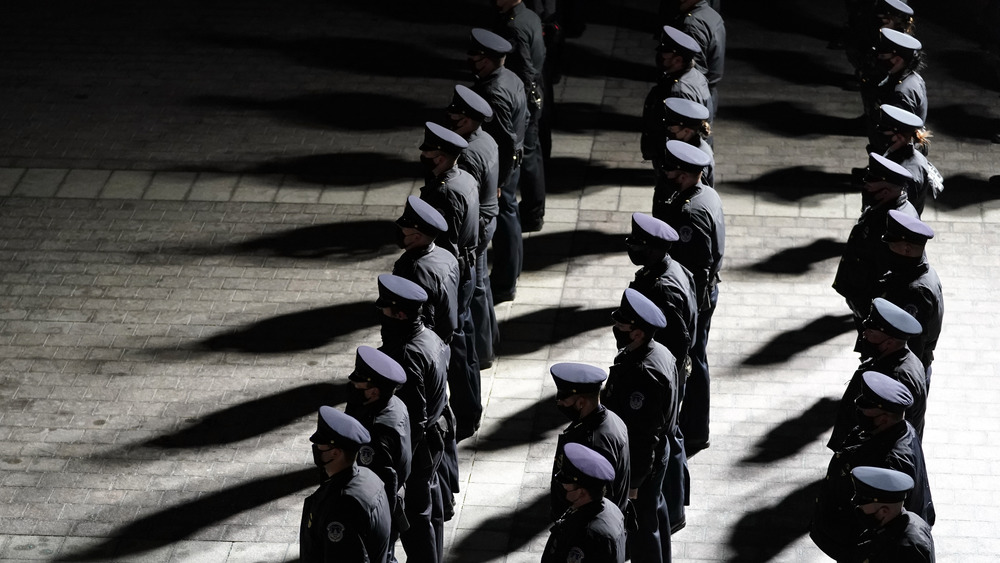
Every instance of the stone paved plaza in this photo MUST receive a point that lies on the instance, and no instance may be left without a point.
(196, 198)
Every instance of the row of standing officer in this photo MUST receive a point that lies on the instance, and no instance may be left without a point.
(875, 502)
(470, 177)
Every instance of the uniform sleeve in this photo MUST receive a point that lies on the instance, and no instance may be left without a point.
(414, 394)
(645, 417)
(385, 448)
(342, 537)
(702, 253)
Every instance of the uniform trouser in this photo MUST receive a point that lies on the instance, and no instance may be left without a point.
(508, 248)
(423, 501)
(651, 542)
(695, 406)
(484, 318)
(463, 370)
(676, 482)
(532, 182)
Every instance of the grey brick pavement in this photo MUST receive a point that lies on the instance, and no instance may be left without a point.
(185, 271)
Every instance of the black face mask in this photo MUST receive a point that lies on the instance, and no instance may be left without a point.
(866, 423)
(400, 239)
(868, 349)
(640, 255)
(317, 456)
(569, 411)
(355, 398)
(622, 337)
(865, 521)
(395, 331)
(901, 263)
(427, 163)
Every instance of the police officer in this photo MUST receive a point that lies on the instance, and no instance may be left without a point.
(454, 193)
(695, 211)
(467, 112)
(348, 517)
(373, 402)
(665, 282)
(705, 25)
(881, 439)
(592, 528)
(671, 287)
(883, 346)
(891, 534)
(894, 79)
(578, 388)
(903, 135)
(428, 265)
(643, 390)
(868, 19)
(913, 283)
(862, 263)
(523, 29)
(688, 121)
(505, 93)
(678, 79)
(423, 357)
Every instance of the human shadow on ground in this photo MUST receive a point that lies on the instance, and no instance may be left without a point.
(295, 332)
(176, 523)
(354, 239)
(762, 534)
(794, 434)
(353, 168)
(345, 111)
(577, 117)
(255, 417)
(963, 121)
(518, 527)
(967, 66)
(799, 260)
(527, 426)
(795, 67)
(963, 191)
(589, 62)
(794, 119)
(572, 174)
(795, 341)
(545, 249)
(537, 329)
(364, 56)
(796, 182)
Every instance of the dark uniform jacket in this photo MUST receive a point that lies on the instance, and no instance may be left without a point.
(696, 214)
(671, 287)
(906, 539)
(901, 365)
(594, 533)
(436, 271)
(906, 90)
(835, 527)
(456, 195)
(604, 432)
(706, 27)
(642, 390)
(863, 261)
(915, 163)
(346, 519)
(918, 292)
(482, 162)
(689, 84)
(708, 176)
(389, 452)
(424, 358)
(523, 28)
(505, 93)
